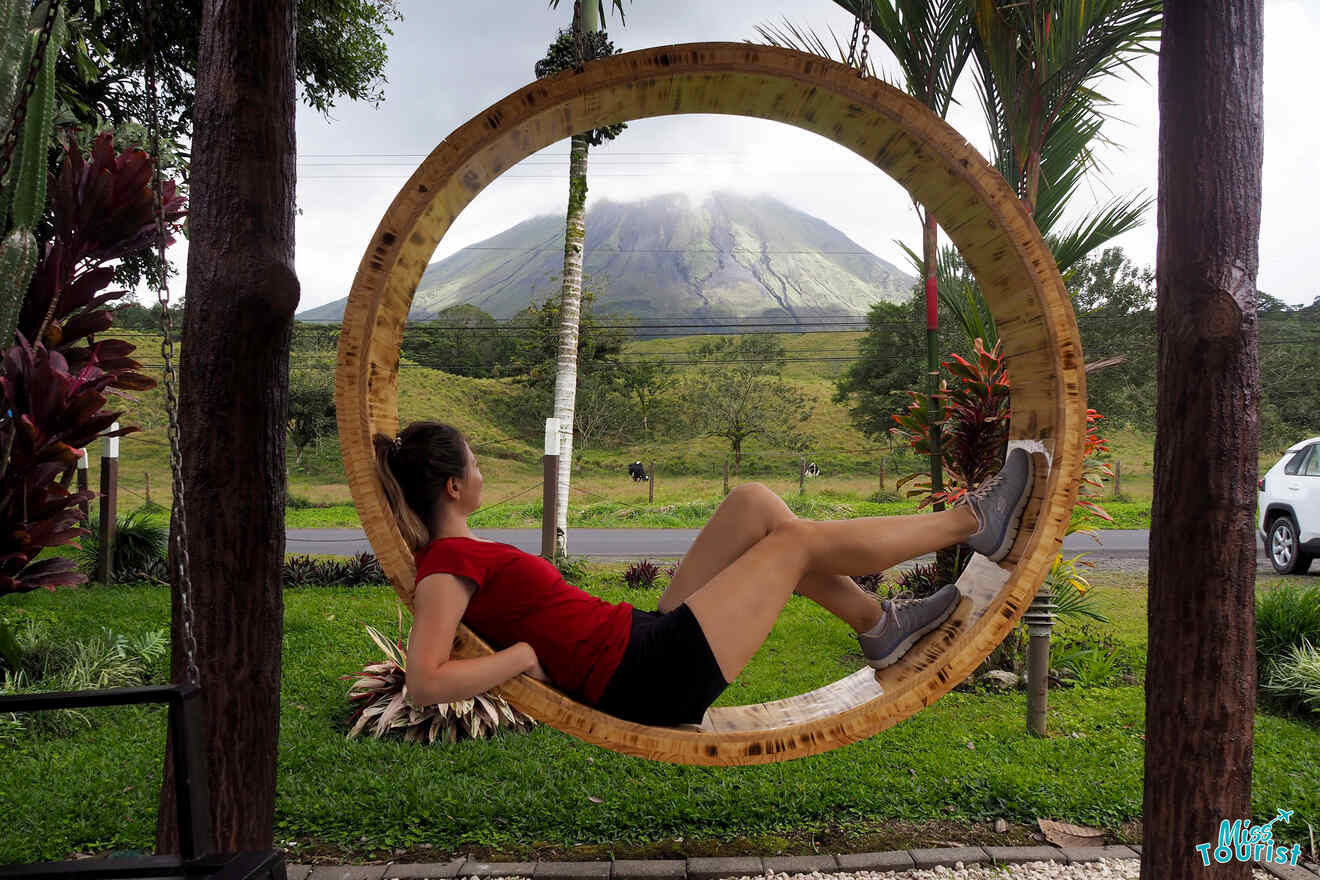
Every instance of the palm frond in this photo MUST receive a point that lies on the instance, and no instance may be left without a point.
(959, 293)
(1119, 216)
(803, 39)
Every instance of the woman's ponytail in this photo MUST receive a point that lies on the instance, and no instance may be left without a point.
(413, 469)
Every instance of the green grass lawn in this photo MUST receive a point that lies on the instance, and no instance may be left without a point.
(966, 759)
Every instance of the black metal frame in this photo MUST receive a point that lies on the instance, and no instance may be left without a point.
(197, 856)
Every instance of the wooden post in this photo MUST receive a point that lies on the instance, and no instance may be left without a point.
(82, 487)
(146, 492)
(726, 474)
(105, 571)
(1118, 478)
(882, 475)
(802, 477)
(550, 491)
(650, 479)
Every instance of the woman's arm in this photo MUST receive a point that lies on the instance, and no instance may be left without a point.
(433, 677)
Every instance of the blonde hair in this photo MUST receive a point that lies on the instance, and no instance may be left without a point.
(413, 469)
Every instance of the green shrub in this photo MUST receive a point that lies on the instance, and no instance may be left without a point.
(1294, 679)
(140, 546)
(573, 569)
(358, 570)
(107, 660)
(885, 496)
(1286, 616)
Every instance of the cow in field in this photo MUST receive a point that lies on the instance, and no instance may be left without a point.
(637, 472)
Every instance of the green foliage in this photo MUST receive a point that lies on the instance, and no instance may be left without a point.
(23, 192)
(463, 340)
(140, 545)
(1294, 678)
(736, 393)
(889, 362)
(1289, 363)
(1286, 616)
(359, 570)
(522, 795)
(1071, 590)
(341, 53)
(1086, 657)
(573, 568)
(103, 660)
(647, 381)
(535, 356)
(567, 52)
(1114, 302)
(311, 415)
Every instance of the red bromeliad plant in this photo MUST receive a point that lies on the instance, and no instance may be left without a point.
(974, 436)
(104, 211)
(55, 388)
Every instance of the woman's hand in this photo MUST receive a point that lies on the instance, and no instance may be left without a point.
(538, 673)
(534, 669)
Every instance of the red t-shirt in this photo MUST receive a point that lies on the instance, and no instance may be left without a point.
(578, 638)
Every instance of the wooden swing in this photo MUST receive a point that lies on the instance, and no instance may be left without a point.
(973, 204)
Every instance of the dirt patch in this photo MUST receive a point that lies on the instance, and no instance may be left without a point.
(879, 838)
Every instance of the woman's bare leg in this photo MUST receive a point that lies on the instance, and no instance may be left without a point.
(738, 606)
(748, 514)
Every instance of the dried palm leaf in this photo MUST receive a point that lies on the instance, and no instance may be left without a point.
(381, 704)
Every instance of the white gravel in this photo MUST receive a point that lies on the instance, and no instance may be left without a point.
(1104, 869)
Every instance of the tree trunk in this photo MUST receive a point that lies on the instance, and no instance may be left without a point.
(930, 255)
(575, 233)
(1201, 675)
(233, 406)
(575, 236)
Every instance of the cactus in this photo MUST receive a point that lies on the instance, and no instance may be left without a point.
(23, 195)
(13, 48)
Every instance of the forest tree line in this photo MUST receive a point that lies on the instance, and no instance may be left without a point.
(732, 386)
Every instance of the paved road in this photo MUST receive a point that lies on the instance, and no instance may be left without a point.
(663, 543)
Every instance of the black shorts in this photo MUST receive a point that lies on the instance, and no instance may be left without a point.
(668, 674)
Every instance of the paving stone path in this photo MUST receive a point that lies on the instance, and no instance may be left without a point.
(951, 862)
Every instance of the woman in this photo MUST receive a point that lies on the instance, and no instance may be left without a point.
(663, 667)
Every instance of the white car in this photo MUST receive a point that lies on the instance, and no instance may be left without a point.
(1290, 508)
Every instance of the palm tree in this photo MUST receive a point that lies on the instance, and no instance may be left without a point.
(1038, 63)
(931, 41)
(585, 41)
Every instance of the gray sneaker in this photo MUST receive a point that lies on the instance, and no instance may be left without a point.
(998, 504)
(903, 625)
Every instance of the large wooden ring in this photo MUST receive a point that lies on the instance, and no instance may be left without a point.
(972, 203)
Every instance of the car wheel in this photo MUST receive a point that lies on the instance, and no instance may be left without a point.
(1285, 555)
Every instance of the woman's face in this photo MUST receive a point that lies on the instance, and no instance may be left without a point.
(472, 482)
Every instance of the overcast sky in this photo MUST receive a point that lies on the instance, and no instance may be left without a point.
(449, 61)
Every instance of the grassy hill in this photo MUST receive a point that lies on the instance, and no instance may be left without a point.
(483, 409)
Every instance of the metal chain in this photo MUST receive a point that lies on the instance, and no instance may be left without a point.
(861, 25)
(857, 27)
(29, 85)
(184, 565)
(866, 37)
